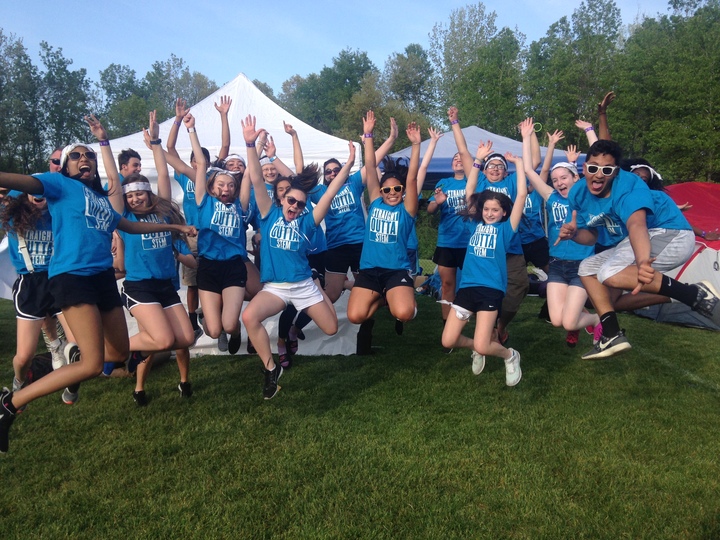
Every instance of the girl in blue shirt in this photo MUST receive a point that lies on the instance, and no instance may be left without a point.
(494, 221)
(285, 272)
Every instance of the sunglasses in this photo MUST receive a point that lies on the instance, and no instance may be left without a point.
(607, 170)
(55, 161)
(390, 189)
(92, 156)
(293, 201)
(332, 171)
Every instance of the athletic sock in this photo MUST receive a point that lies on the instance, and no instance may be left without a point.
(8, 404)
(610, 325)
(682, 292)
(193, 320)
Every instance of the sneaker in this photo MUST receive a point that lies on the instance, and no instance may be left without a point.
(608, 346)
(69, 397)
(271, 382)
(478, 363)
(223, 342)
(707, 303)
(286, 360)
(6, 419)
(140, 398)
(234, 343)
(532, 269)
(185, 389)
(513, 373)
(590, 329)
(71, 352)
(136, 358)
(597, 333)
(572, 338)
(250, 347)
(58, 358)
(198, 334)
(399, 327)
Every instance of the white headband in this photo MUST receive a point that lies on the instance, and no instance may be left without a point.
(648, 167)
(136, 186)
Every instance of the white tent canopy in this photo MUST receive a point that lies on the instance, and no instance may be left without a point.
(246, 99)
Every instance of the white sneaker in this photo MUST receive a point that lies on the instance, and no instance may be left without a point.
(539, 272)
(478, 363)
(68, 397)
(513, 373)
(58, 358)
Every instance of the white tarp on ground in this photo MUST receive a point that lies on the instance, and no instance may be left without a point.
(246, 99)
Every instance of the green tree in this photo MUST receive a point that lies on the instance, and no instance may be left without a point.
(407, 79)
(265, 89)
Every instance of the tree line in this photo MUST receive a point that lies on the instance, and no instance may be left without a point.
(664, 70)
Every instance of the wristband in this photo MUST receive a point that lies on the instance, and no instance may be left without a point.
(156, 141)
(250, 144)
(589, 129)
(453, 122)
(368, 135)
(177, 123)
(272, 159)
(105, 143)
(191, 130)
(702, 235)
(476, 165)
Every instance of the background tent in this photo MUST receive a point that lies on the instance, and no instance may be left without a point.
(441, 164)
(246, 99)
(704, 265)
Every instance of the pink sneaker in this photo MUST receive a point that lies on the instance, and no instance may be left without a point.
(597, 333)
(572, 338)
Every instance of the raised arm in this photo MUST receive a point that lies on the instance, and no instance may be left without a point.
(411, 182)
(535, 179)
(297, 149)
(427, 158)
(201, 170)
(460, 141)
(553, 139)
(251, 134)
(534, 145)
(21, 182)
(384, 149)
(519, 204)
(115, 193)
(271, 154)
(603, 126)
(589, 130)
(372, 182)
(223, 109)
(483, 151)
(171, 156)
(152, 138)
(572, 154)
(323, 205)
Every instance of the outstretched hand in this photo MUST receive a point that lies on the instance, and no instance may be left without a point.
(351, 152)
(582, 124)
(527, 127)
(250, 133)
(484, 150)
(224, 107)
(413, 133)
(154, 127)
(181, 108)
(607, 100)
(369, 122)
(189, 120)
(394, 131)
(435, 135)
(555, 137)
(270, 148)
(289, 129)
(452, 113)
(572, 154)
(96, 128)
(568, 230)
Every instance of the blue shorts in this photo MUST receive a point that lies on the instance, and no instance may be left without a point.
(565, 272)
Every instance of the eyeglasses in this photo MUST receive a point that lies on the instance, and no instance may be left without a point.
(92, 156)
(55, 161)
(332, 171)
(495, 167)
(388, 189)
(607, 170)
(293, 201)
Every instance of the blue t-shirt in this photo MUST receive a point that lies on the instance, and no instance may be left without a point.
(221, 229)
(531, 224)
(345, 220)
(82, 224)
(387, 233)
(189, 202)
(284, 247)
(568, 250)
(150, 255)
(508, 186)
(452, 232)
(39, 242)
(485, 264)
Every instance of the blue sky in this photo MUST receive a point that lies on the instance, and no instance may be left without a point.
(270, 41)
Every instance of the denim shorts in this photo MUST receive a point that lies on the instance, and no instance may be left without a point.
(565, 272)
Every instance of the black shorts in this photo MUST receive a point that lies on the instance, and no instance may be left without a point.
(381, 280)
(32, 298)
(317, 265)
(214, 276)
(150, 291)
(537, 252)
(476, 299)
(339, 259)
(449, 257)
(99, 290)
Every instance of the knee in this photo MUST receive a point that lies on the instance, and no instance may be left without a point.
(332, 330)
(404, 314)
(356, 317)
(448, 341)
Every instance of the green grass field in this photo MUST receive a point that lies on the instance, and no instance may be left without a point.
(405, 443)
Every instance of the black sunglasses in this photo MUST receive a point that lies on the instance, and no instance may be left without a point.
(293, 200)
(55, 161)
(607, 170)
(332, 171)
(92, 156)
(388, 189)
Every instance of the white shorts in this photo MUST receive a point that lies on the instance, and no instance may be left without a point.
(670, 247)
(301, 294)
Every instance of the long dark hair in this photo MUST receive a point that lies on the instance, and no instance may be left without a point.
(394, 168)
(19, 215)
(474, 208)
(305, 181)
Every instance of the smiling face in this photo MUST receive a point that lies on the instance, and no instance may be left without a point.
(495, 170)
(457, 165)
(224, 188)
(269, 173)
(394, 197)
(563, 180)
(492, 211)
(132, 166)
(137, 200)
(598, 183)
(235, 165)
(83, 168)
(297, 197)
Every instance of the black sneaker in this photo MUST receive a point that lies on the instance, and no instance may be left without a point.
(271, 382)
(251, 347)
(364, 338)
(135, 359)
(234, 343)
(71, 353)
(608, 346)
(6, 419)
(140, 398)
(399, 327)
(185, 389)
(707, 303)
